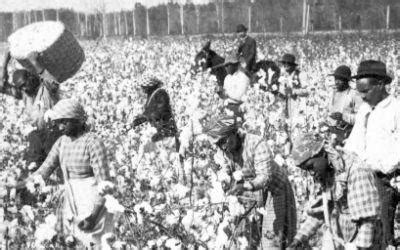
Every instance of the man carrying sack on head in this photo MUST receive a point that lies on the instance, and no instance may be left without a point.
(375, 138)
(40, 92)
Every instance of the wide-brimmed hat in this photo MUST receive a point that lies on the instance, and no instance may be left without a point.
(343, 72)
(288, 59)
(373, 68)
(241, 28)
(306, 146)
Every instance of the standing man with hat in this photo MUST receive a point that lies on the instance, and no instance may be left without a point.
(290, 90)
(247, 50)
(343, 105)
(375, 137)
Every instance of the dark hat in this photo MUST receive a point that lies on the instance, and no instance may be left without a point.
(289, 59)
(207, 46)
(222, 127)
(372, 68)
(241, 28)
(343, 72)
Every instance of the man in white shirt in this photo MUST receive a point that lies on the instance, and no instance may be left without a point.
(236, 84)
(343, 105)
(375, 137)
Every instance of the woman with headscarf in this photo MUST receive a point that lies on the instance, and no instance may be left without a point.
(264, 182)
(157, 110)
(82, 158)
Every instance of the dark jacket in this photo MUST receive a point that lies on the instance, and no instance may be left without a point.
(248, 51)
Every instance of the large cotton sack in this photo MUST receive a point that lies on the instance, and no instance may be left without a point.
(59, 52)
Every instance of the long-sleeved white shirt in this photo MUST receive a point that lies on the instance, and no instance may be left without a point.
(375, 137)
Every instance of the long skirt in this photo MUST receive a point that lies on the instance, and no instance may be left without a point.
(79, 202)
(275, 227)
(279, 220)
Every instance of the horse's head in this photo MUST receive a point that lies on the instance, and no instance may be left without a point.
(202, 60)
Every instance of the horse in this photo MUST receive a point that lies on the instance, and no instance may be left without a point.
(207, 58)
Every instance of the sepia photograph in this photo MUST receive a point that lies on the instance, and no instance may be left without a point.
(200, 124)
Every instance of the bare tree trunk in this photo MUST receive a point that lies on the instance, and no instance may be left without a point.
(115, 24)
(147, 22)
(29, 17)
(168, 24)
(304, 16)
(105, 25)
(78, 24)
(249, 16)
(281, 24)
(388, 17)
(307, 18)
(14, 21)
(57, 15)
(43, 15)
(86, 25)
(340, 23)
(222, 17)
(182, 22)
(120, 32)
(218, 14)
(36, 16)
(197, 9)
(134, 22)
(126, 23)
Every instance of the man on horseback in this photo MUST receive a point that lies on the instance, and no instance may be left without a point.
(247, 50)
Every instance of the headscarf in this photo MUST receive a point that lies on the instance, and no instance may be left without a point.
(222, 128)
(150, 81)
(306, 146)
(67, 109)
